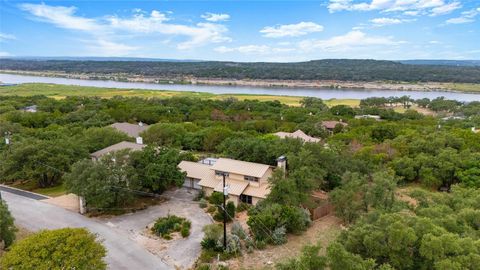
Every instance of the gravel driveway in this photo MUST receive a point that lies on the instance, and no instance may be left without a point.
(123, 252)
(180, 253)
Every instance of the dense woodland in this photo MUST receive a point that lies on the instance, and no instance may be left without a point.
(361, 165)
(329, 69)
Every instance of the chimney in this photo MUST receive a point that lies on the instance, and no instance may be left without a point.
(282, 163)
(139, 140)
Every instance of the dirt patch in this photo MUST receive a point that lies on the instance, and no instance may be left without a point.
(323, 230)
(69, 202)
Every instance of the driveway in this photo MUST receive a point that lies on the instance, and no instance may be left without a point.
(123, 252)
(181, 253)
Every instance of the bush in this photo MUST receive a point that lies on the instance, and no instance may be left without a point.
(230, 211)
(211, 209)
(243, 206)
(279, 236)
(238, 230)
(56, 249)
(166, 225)
(233, 244)
(200, 195)
(216, 198)
(203, 203)
(213, 233)
(7, 227)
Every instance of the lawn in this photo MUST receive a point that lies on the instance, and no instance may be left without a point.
(58, 91)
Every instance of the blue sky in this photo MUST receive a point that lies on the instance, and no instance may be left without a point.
(243, 30)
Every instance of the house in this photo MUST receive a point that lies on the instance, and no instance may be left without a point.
(32, 109)
(297, 135)
(116, 147)
(330, 125)
(132, 130)
(368, 116)
(247, 181)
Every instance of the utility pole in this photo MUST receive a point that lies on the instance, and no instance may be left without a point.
(225, 194)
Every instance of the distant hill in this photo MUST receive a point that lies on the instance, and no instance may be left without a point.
(459, 63)
(327, 69)
(94, 58)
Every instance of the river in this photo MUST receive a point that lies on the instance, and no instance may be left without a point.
(324, 93)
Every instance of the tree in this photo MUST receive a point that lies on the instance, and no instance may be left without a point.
(104, 184)
(7, 227)
(309, 259)
(381, 192)
(57, 249)
(349, 199)
(157, 168)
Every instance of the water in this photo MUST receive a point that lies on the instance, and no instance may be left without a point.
(324, 93)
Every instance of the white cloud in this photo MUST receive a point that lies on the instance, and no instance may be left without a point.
(63, 17)
(466, 17)
(408, 7)
(107, 29)
(4, 54)
(387, 21)
(445, 9)
(291, 30)
(108, 48)
(5, 37)
(352, 40)
(253, 49)
(213, 17)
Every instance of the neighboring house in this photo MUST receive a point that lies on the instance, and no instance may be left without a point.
(132, 130)
(297, 135)
(32, 109)
(247, 181)
(368, 116)
(330, 125)
(116, 147)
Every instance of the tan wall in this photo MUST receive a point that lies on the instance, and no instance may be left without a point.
(234, 199)
(255, 200)
(208, 191)
(267, 175)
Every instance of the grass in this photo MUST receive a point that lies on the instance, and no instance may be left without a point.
(464, 87)
(58, 91)
(52, 191)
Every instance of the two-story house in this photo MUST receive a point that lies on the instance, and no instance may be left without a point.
(247, 181)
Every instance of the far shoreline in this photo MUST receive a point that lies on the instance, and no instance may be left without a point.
(288, 84)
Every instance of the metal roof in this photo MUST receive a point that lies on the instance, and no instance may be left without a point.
(132, 130)
(297, 135)
(117, 147)
(240, 167)
(235, 187)
(195, 170)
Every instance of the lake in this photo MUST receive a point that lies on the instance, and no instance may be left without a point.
(324, 93)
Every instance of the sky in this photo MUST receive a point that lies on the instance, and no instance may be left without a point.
(276, 31)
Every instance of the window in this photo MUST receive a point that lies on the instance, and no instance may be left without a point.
(220, 173)
(250, 178)
(246, 198)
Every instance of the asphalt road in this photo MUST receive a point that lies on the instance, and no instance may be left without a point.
(123, 252)
(23, 193)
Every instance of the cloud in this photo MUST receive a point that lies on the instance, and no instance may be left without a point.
(5, 37)
(213, 17)
(253, 49)
(107, 29)
(108, 48)
(291, 30)
(408, 7)
(465, 17)
(352, 40)
(5, 54)
(387, 21)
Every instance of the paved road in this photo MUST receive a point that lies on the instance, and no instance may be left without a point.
(123, 252)
(183, 252)
(23, 193)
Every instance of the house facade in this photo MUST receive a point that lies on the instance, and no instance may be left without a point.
(247, 181)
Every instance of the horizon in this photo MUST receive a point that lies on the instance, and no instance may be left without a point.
(257, 31)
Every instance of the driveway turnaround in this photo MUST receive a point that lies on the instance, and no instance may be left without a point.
(181, 253)
(123, 252)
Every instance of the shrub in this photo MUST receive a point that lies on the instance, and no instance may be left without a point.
(238, 230)
(213, 233)
(233, 244)
(203, 203)
(200, 195)
(260, 244)
(166, 225)
(243, 206)
(216, 198)
(56, 249)
(211, 209)
(230, 211)
(7, 227)
(204, 267)
(279, 236)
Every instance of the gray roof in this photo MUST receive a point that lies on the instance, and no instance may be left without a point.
(132, 130)
(117, 147)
